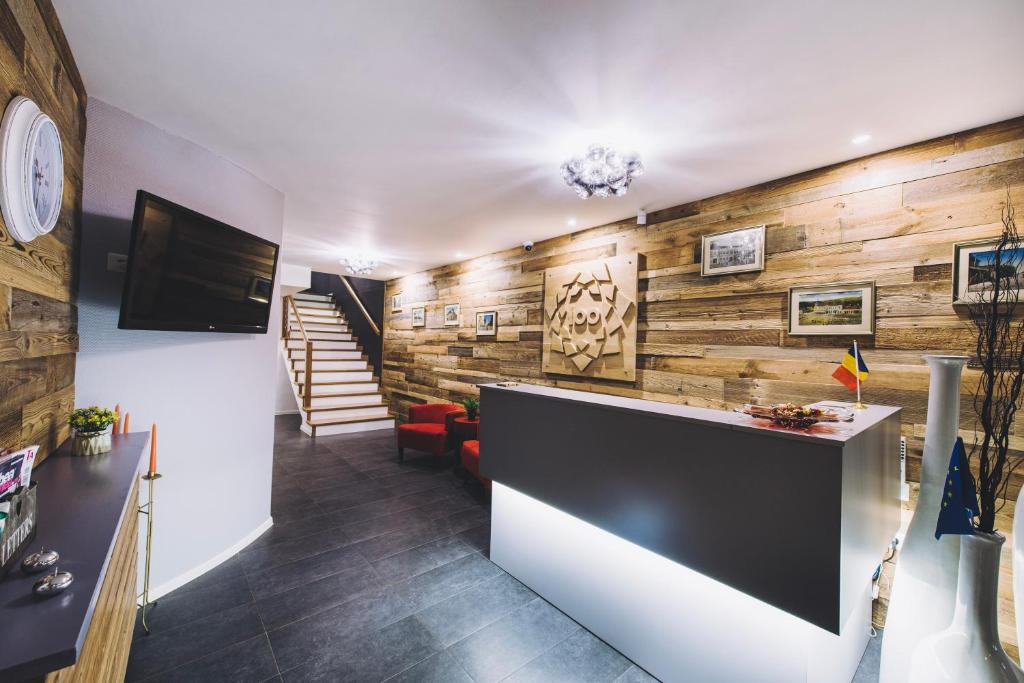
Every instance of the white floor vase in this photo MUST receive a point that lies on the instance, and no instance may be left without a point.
(924, 587)
(1018, 566)
(968, 650)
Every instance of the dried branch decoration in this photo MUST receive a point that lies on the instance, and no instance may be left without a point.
(1000, 353)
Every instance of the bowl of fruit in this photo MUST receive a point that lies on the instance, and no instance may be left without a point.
(792, 415)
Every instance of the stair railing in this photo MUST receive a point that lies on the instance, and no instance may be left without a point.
(307, 384)
(359, 304)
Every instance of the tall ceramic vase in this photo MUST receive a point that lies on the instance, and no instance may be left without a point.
(924, 587)
(1018, 567)
(968, 650)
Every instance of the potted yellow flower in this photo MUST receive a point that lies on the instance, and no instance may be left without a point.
(92, 430)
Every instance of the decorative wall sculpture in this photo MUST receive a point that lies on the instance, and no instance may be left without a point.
(590, 319)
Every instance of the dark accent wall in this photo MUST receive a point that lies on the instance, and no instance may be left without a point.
(39, 280)
(371, 293)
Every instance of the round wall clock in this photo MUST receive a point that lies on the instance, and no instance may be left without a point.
(31, 170)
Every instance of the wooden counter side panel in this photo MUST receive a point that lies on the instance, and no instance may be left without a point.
(104, 654)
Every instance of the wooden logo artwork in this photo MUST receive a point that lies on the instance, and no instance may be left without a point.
(590, 318)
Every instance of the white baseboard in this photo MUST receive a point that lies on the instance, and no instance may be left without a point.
(180, 580)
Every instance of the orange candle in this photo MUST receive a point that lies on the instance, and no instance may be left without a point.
(117, 419)
(127, 420)
(152, 451)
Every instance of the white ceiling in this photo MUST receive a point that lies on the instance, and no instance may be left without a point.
(423, 129)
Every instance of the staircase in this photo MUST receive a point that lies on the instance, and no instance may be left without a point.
(344, 396)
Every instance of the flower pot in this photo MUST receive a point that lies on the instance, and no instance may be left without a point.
(968, 650)
(924, 586)
(91, 443)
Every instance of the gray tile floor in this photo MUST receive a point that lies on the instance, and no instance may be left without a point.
(372, 571)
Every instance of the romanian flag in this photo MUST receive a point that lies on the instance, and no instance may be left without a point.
(851, 364)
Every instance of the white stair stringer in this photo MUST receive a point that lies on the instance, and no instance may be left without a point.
(345, 394)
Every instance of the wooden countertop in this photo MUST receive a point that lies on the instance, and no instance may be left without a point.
(81, 502)
(835, 433)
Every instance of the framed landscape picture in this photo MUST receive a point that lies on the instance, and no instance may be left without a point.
(974, 266)
(396, 302)
(840, 309)
(419, 316)
(733, 251)
(486, 323)
(452, 315)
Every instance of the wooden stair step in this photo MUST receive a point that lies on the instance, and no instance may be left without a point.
(349, 420)
(375, 392)
(372, 380)
(347, 406)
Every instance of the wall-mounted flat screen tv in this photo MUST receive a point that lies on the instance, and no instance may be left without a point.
(187, 271)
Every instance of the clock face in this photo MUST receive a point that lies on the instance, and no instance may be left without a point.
(45, 164)
(31, 170)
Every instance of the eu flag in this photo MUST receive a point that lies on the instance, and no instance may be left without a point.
(959, 497)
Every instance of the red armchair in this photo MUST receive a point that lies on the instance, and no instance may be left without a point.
(471, 461)
(428, 428)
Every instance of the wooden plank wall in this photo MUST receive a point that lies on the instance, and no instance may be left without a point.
(720, 342)
(38, 281)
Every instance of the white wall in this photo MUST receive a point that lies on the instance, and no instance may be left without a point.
(212, 394)
(284, 395)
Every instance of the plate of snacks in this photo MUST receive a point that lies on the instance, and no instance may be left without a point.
(793, 415)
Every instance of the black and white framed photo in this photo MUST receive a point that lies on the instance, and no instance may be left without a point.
(419, 316)
(452, 315)
(396, 302)
(486, 323)
(838, 309)
(974, 270)
(733, 251)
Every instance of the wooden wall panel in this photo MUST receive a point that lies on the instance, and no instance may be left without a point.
(38, 280)
(720, 342)
(104, 653)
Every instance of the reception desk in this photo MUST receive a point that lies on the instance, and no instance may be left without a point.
(703, 544)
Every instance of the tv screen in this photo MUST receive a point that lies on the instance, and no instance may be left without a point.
(187, 271)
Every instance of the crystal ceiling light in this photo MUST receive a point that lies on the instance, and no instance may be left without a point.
(601, 172)
(359, 264)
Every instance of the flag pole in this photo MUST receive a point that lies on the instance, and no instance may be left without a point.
(856, 365)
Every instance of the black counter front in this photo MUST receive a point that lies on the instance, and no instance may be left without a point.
(796, 519)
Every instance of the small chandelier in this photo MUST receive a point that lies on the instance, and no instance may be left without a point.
(359, 264)
(602, 172)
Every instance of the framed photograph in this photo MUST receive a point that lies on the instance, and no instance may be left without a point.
(452, 315)
(396, 302)
(486, 323)
(419, 316)
(733, 251)
(974, 265)
(840, 309)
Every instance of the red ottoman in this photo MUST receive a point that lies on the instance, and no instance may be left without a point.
(471, 461)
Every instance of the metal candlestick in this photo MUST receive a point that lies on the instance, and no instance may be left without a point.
(147, 509)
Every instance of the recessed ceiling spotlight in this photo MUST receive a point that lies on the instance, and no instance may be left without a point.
(459, 254)
(860, 139)
(571, 222)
